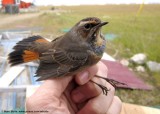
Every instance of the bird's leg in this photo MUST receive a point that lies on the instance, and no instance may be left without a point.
(114, 83)
(104, 89)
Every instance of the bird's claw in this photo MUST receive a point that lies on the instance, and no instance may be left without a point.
(104, 89)
(114, 83)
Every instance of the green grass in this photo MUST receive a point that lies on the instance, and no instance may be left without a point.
(135, 34)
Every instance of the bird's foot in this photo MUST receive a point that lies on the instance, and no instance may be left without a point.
(114, 83)
(105, 90)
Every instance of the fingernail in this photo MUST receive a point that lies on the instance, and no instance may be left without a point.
(84, 77)
(77, 96)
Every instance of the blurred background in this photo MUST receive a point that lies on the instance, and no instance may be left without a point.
(133, 33)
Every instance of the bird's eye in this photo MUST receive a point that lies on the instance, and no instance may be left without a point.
(87, 26)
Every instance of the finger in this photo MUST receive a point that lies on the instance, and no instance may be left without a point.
(116, 106)
(84, 76)
(53, 87)
(90, 90)
(85, 92)
(99, 104)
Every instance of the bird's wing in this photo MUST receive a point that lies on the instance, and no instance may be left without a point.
(47, 70)
(64, 57)
(57, 62)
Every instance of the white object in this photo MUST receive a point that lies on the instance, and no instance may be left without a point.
(153, 66)
(0, 37)
(139, 58)
(5, 35)
(31, 64)
(9, 76)
(17, 88)
(0, 3)
(17, 1)
(30, 90)
(2, 59)
(13, 88)
(140, 69)
(124, 62)
(107, 57)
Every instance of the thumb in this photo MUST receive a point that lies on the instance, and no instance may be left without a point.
(55, 86)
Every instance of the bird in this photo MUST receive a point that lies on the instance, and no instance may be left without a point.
(81, 47)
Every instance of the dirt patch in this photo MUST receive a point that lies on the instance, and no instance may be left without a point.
(7, 19)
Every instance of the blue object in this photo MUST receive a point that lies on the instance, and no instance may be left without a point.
(110, 36)
(65, 30)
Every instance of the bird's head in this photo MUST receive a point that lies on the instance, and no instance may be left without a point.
(89, 29)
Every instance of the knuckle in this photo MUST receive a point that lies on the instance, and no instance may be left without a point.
(96, 108)
(93, 89)
(89, 86)
(118, 101)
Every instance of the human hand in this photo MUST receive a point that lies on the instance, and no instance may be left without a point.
(62, 96)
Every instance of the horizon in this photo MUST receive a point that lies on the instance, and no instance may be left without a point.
(90, 2)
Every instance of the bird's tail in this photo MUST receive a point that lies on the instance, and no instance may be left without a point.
(24, 51)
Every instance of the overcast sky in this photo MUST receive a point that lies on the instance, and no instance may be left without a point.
(82, 2)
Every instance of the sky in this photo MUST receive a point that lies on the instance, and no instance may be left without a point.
(90, 2)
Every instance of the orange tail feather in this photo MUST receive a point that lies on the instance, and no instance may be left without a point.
(22, 52)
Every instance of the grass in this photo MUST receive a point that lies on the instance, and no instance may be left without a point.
(135, 34)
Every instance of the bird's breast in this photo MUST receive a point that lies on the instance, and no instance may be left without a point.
(96, 53)
(99, 47)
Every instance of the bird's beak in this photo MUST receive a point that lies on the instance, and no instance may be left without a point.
(96, 30)
(101, 24)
